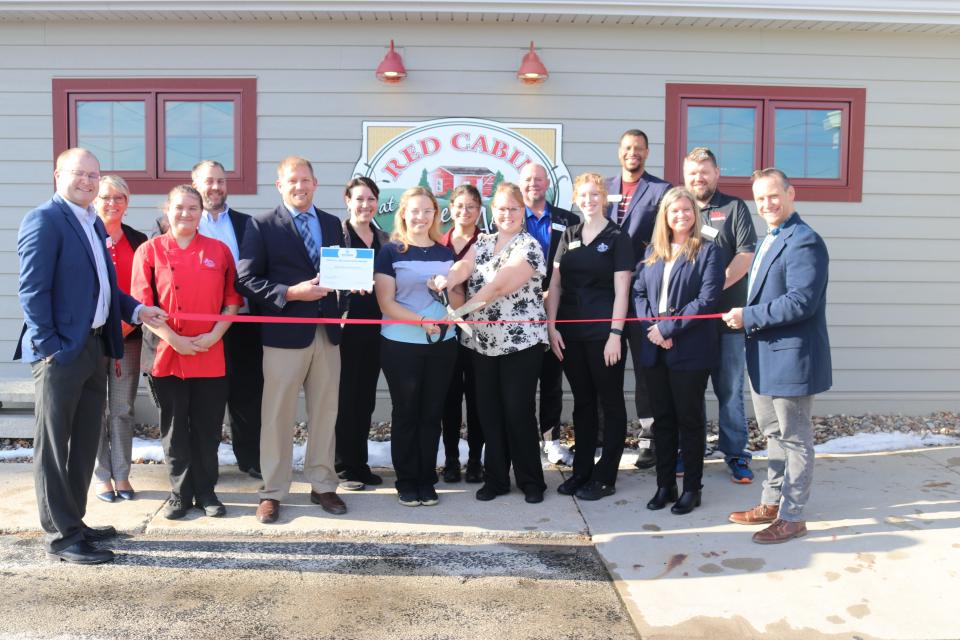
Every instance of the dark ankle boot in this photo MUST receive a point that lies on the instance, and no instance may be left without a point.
(662, 497)
(687, 502)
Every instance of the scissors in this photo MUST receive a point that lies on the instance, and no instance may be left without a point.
(454, 315)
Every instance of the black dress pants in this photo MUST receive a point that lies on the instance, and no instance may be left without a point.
(462, 385)
(551, 394)
(676, 397)
(359, 372)
(69, 411)
(641, 397)
(191, 423)
(418, 376)
(243, 352)
(506, 390)
(591, 379)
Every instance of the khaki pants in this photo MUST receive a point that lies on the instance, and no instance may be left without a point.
(317, 369)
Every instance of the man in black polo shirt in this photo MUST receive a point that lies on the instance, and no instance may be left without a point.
(726, 221)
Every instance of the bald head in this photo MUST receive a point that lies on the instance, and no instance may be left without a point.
(77, 176)
(534, 183)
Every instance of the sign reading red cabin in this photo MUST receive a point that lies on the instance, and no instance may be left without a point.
(444, 179)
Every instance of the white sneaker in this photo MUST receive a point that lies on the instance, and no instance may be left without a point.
(557, 453)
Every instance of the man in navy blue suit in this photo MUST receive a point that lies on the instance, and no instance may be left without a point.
(72, 310)
(788, 354)
(635, 197)
(278, 271)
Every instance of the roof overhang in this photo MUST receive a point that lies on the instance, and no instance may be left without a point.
(926, 16)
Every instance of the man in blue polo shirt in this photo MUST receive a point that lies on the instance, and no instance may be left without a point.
(547, 223)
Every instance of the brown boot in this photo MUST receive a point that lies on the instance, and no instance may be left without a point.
(268, 511)
(780, 531)
(760, 514)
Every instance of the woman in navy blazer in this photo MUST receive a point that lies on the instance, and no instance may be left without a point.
(682, 275)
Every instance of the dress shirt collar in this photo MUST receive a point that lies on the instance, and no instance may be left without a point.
(546, 212)
(293, 212)
(224, 216)
(86, 216)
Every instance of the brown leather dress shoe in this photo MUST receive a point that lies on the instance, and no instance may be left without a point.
(268, 511)
(780, 531)
(329, 501)
(760, 514)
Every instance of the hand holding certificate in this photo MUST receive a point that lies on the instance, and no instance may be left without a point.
(346, 268)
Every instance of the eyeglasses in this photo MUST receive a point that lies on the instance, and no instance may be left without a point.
(114, 199)
(508, 209)
(93, 175)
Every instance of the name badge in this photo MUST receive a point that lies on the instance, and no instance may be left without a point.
(574, 245)
(709, 231)
(615, 197)
(556, 226)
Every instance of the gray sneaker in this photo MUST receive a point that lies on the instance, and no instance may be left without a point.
(174, 509)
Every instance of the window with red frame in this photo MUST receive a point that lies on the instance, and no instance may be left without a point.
(814, 135)
(152, 131)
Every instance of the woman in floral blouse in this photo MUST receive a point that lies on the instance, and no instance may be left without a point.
(506, 271)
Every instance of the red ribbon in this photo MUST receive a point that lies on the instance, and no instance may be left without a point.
(213, 317)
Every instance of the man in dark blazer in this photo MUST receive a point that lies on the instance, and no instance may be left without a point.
(635, 197)
(547, 223)
(788, 354)
(72, 309)
(278, 271)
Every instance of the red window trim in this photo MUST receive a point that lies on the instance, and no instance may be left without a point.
(242, 180)
(849, 188)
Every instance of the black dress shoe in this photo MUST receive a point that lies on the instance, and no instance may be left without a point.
(570, 486)
(662, 497)
(474, 472)
(532, 494)
(451, 473)
(211, 506)
(93, 534)
(646, 460)
(253, 472)
(82, 553)
(487, 493)
(594, 490)
(687, 502)
(370, 478)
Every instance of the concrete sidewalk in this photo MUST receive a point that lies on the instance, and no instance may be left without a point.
(881, 559)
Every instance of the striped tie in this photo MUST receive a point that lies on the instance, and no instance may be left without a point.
(303, 226)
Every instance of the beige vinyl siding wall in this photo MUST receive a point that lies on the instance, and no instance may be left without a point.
(895, 273)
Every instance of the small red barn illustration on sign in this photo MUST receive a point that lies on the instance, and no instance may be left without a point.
(444, 179)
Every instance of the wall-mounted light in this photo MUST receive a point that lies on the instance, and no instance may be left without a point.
(391, 69)
(531, 69)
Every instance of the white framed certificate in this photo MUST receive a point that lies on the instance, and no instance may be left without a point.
(346, 268)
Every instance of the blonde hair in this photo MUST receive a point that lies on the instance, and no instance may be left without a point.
(400, 233)
(511, 190)
(595, 179)
(116, 182)
(291, 162)
(662, 233)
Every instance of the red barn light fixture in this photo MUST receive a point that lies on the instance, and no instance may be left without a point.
(391, 69)
(531, 69)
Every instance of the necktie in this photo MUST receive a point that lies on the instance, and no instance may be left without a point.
(303, 227)
(767, 241)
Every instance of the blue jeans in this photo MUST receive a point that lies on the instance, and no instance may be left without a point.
(727, 381)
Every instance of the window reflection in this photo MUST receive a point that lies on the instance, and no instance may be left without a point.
(198, 130)
(730, 132)
(115, 131)
(807, 142)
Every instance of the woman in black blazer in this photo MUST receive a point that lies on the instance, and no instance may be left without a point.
(681, 275)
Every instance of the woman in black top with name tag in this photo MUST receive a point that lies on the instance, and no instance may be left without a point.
(591, 280)
(359, 346)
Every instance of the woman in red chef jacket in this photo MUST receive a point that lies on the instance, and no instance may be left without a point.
(182, 271)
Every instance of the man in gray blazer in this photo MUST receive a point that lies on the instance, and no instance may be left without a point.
(788, 354)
